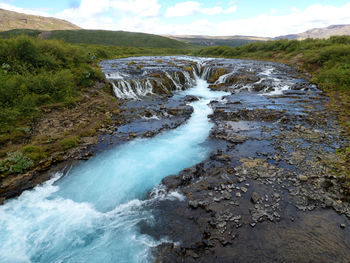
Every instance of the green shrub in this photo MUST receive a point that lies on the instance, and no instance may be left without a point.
(15, 162)
(35, 153)
(69, 143)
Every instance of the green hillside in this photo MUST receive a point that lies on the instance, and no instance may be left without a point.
(102, 37)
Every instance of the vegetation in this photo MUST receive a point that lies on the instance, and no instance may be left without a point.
(204, 42)
(103, 37)
(44, 76)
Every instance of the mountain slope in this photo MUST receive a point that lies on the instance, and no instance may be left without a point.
(116, 38)
(325, 32)
(102, 37)
(12, 20)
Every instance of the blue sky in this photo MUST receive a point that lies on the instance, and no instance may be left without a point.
(236, 17)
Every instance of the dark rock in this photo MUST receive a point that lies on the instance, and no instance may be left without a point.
(193, 204)
(190, 98)
(255, 198)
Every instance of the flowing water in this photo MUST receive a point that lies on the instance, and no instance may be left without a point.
(92, 213)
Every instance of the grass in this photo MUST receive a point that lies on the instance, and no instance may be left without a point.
(103, 37)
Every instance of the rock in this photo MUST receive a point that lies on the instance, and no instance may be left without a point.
(172, 181)
(190, 98)
(193, 204)
(302, 178)
(276, 196)
(244, 190)
(328, 201)
(191, 253)
(180, 111)
(255, 198)
(238, 194)
(221, 157)
(342, 226)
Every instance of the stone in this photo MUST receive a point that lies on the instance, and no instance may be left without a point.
(328, 201)
(190, 98)
(342, 226)
(255, 198)
(193, 204)
(244, 190)
(302, 178)
(238, 194)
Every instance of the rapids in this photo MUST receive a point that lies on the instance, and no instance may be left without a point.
(92, 213)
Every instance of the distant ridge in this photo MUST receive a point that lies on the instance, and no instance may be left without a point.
(233, 41)
(12, 20)
(325, 32)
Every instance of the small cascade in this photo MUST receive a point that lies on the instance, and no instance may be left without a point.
(136, 78)
(132, 80)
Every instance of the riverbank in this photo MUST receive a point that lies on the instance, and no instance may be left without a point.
(268, 189)
(325, 62)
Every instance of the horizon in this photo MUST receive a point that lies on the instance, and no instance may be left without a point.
(174, 17)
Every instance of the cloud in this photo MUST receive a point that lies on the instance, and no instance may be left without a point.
(37, 12)
(192, 7)
(146, 16)
(104, 15)
(139, 8)
(272, 25)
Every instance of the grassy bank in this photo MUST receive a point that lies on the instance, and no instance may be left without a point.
(327, 62)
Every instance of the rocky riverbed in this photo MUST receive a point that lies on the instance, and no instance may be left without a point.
(266, 193)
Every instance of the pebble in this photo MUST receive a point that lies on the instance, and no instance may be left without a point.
(342, 225)
(243, 189)
(255, 197)
(303, 178)
(238, 194)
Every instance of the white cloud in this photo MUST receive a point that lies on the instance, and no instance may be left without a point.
(92, 16)
(37, 12)
(192, 7)
(144, 16)
(140, 8)
(271, 25)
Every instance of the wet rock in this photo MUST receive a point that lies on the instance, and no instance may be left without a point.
(193, 204)
(221, 157)
(180, 111)
(190, 98)
(172, 181)
(255, 198)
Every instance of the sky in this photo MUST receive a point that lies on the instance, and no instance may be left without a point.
(267, 18)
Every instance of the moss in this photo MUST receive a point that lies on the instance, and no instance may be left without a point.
(189, 70)
(217, 73)
(69, 143)
(35, 153)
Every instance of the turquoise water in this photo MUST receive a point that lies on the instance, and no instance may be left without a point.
(92, 213)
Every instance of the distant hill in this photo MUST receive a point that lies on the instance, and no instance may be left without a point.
(102, 37)
(13, 20)
(205, 41)
(325, 32)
